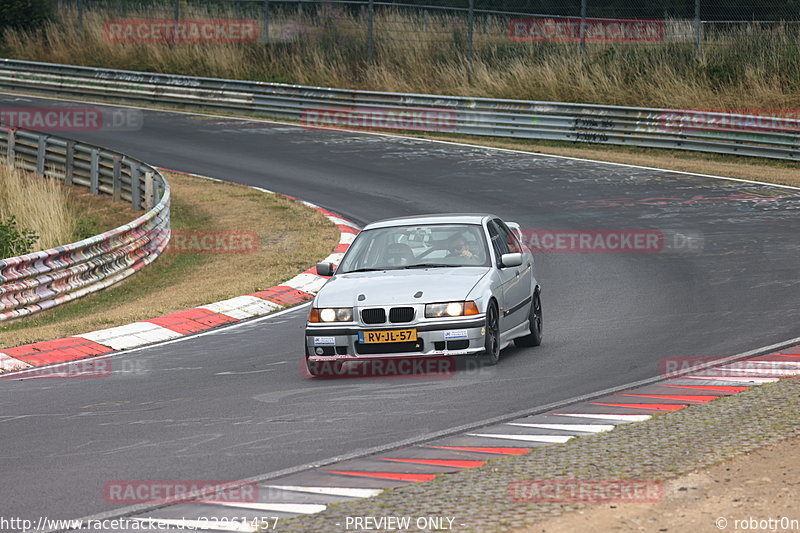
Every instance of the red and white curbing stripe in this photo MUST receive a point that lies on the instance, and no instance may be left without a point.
(299, 289)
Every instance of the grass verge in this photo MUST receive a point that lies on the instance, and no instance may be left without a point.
(291, 238)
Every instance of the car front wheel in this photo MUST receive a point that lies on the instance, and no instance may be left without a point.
(491, 353)
(535, 324)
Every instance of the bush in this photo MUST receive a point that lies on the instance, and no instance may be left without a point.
(15, 241)
(25, 14)
(87, 226)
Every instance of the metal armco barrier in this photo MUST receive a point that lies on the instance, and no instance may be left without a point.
(758, 136)
(41, 280)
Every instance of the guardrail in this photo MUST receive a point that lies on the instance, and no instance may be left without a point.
(41, 280)
(748, 135)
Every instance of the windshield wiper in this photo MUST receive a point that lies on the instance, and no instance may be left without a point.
(429, 265)
(366, 270)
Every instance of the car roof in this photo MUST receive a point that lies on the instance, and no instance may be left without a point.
(442, 218)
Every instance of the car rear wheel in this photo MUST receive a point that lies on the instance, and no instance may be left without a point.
(535, 324)
(491, 353)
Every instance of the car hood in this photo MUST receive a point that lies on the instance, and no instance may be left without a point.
(392, 287)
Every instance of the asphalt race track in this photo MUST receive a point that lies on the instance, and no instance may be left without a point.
(234, 404)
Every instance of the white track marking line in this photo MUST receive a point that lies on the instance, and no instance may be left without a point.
(555, 439)
(330, 491)
(754, 380)
(231, 373)
(619, 418)
(773, 371)
(586, 428)
(296, 508)
(776, 363)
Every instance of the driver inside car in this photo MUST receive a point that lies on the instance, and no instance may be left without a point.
(460, 248)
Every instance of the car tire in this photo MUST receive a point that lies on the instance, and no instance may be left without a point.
(491, 353)
(535, 323)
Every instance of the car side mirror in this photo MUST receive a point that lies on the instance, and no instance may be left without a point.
(325, 269)
(511, 260)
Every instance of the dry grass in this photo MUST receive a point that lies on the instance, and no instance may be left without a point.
(39, 204)
(292, 238)
(747, 67)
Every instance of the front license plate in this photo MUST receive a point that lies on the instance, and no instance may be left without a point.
(391, 335)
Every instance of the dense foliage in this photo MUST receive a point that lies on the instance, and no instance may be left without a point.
(25, 14)
(14, 240)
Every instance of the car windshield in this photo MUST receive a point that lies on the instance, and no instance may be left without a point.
(405, 247)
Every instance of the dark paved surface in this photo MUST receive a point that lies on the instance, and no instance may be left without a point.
(234, 404)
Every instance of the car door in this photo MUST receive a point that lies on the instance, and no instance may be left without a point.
(515, 281)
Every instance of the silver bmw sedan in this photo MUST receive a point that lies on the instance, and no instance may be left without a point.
(430, 285)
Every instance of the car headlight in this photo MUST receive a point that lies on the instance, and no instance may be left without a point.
(331, 314)
(447, 309)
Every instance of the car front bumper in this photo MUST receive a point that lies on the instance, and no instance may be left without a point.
(434, 338)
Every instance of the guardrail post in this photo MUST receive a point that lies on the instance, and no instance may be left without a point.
(116, 182)
(80, 14)
(136, 184)
(94, 173)
(69, 163)
(583, 25)
(176, 16)
(41, 151)
(149, 190)
(470, 31)
(371, 32)
(159, 191)
(265, 30)
(10, 144)
(697, 27)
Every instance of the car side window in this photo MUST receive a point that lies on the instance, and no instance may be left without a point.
(511, 239)
(499, 242)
